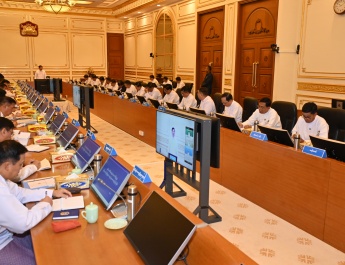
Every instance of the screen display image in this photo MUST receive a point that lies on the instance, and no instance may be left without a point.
(159, 232)
(84, 155)
(110, 181)
(175, 139)
(49, 114)
(76, 96)
(67, 135)
(57, 123)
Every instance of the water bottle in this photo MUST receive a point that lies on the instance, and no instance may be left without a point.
(296, 141)
(256, 123)
(80, 138)
(131, 202)
(97, 163)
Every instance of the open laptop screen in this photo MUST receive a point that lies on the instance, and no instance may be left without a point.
(84, 155)
(67, 135)
(57, 123)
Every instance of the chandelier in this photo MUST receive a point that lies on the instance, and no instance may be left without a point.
(56, 6)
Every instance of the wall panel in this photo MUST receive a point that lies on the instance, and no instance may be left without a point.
(144, 48)
(130, 51)
(50, 22)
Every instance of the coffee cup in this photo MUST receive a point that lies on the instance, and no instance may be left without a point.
(90, 213)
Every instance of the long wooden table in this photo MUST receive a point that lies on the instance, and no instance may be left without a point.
(94, 244)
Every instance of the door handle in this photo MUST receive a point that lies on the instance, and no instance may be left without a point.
(256, 71)
(253, 74)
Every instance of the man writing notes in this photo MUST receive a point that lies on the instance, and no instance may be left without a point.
(206, 103)
(310, 123)
(15, 218)
(265, 115)
(188, 99)
(40, 73)
(170, 95)
(231, 107)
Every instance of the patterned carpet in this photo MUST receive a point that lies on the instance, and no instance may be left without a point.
(263, 236)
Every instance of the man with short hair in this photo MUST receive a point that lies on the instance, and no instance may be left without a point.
(154, 80)
(15, 217)
(153, 92)
(140, 89)
(310, 123)
(7, 106)
(166, 81)
(40, 73)
(170, 95)
(188, 100)
(265, 115)
(207, 103)
(231, 107)
(130, 88)
(95, 81)
(179, 82)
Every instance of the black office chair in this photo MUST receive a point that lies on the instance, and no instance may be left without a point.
(174, 84)
(189, 85)
(178, 91)
(287, 112)
(217, 98)
(250, 105)
(336, 121)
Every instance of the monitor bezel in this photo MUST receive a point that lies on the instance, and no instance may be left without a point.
(88, 139)
(57, 126)
(227, 120)
(68, 141)
(282, 132)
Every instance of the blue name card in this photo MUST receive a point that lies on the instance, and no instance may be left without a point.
(310, 150)
(51, 104)
(259, 136)
(110, 150)
(65, 115)
(57, 108)
(133, 100)
(75, 123)
(146, 104)
(161, 108)
(91, 135)
(46, 100)
(141, 175)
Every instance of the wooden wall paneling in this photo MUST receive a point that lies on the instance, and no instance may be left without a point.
(115, 55)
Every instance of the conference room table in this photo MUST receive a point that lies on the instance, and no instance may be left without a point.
(304, 190)
(95, 244)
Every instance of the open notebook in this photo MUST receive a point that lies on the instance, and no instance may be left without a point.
(75, 202)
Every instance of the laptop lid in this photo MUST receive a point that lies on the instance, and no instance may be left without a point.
(141, 99)
(228, 122)
(84, 155)
(154, 102)
(277, 135)
(57, 123)
(172, 105)
(67, 135)
(196, 110)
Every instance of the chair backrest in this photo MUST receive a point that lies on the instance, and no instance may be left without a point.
(174, 84)
(287, 112)
(250, 105)
(190, 85)
(336, 121)
(217, 98)
(178, 91)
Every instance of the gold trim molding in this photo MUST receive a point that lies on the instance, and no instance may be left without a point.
(186, 77)
(227, 82)
(130, 73)
(321, 87)
(144, 74)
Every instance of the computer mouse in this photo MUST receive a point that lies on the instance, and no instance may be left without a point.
(74, 190)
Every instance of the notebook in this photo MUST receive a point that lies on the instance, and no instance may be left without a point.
(67, 214)
(69, 203)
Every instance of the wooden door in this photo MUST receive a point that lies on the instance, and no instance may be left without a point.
(210, 47)
(115, 55)
(255, 58)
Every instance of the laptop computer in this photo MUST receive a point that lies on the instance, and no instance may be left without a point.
(129, 95)
(196, 110)
(155, 103)
(118, 92)
(228, 122)
(67, 136)
(141, 99)
(171, 105)
(276, 135)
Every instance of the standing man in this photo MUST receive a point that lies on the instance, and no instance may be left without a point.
(40, 73)
(208, 79)
(231, 107)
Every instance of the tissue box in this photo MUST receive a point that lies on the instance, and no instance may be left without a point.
(44, 139)
(62, 157)
(36, 127)
(81, 182)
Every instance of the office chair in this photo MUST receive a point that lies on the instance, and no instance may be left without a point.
(250, 105)
(287, 112)
(336, 121)
(217, 98)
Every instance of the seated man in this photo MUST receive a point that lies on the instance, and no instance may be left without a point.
(188, 99)
(207, 103)
(265, 115)
(153, 92)
(15, 217)
(107, 83)
(95, 81)
(6, 131)
(231, 107)
(87, 79)
(170, 95)
(179, 82)
(140, 89)
(130, 88)
(310, 123)
(113, 85)
(154, 80)
(7, 106)
(166, 81)
(102, 81)
(121, 86)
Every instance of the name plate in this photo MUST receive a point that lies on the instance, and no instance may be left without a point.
(51, 104)
(110, 150)
(91, 135)
(75, 123)
(46, 100)
(146, 104)
(161, 108)
(259, 136)
(310, 150)
(141, 175)
(57, 108)
(132, 100)
(65, 115)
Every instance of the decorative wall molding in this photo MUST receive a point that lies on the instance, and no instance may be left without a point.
(144, 74)
(186, 10)
(228, 82)
(321, 87)
(300, 100)
(187, 77)
(130, 73)
(229, 40)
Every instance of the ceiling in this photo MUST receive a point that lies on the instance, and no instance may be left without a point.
(117, 8)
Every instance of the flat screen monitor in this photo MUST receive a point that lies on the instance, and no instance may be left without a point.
(84, 155)
(338, 103)
(141, 99)
(42, 108)
(89, 90)
(159, 232)
(171, 105)
(129, 95)
(196, 110)
(155, 103)
(76, 96)
(118, 92)
(175, 138)
(39, 102)
(49, 114)
(110, 181)
(42, 85)
(334, 149)
(57, 88)
(67, 136)
(228, 122)
(34, 98)
(57, 124)
(276, 135)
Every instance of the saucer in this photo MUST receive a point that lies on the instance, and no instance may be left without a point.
(115, 223)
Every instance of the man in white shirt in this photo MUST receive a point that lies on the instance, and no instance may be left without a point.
(207, 103)
(166, 81)
(113, 85)
(188, 99)
(179, 83)
(6, 131)
(310, 123)
(153, 92)
(170, 95)
(95, 81)
(107, 82)
(87, 79)
(102, 81)
(15, 217)
(140, 89)
(154, 80)
(265, 115)
(130, 88)
(7, 106)
(40, 73)
(231, 107)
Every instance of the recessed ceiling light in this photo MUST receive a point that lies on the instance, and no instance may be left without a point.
(139, 12)
(158, 5)
(124, 17)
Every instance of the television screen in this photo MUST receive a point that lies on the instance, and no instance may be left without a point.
(175, 139)
(67, 135)
(110, 181)
(57, 88)
(88, 89)
(159, 232)
(49, 114)
(76, 96)
(84, 155)
(57, 123)
(334, 149)
(277, 135)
